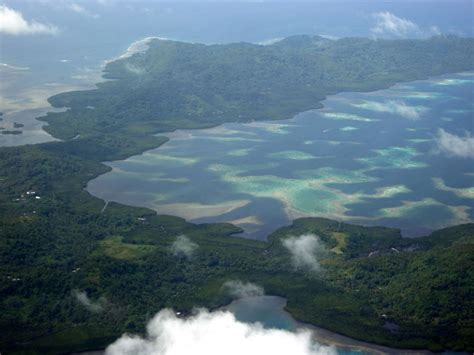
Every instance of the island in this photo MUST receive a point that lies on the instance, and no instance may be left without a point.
(13, 132)
(76, 275)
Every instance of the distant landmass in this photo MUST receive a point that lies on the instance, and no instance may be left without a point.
(184, 85)
(76, 275)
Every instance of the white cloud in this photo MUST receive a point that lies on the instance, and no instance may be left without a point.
(271, 41)
(214, 333)
(77, 8)
(134, 69)
(12, 67)
(82, 298)
(12, 22)
(395, 107)
(435, 30)
(105, 2)
(183, 246)
(305, 251)
(454, 145)
(389, 25)
(239, 289)
(331, 37)
(402, 109)
(81, 10)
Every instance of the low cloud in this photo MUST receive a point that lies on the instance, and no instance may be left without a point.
(389, 25)
(269, 42)
(214, 333)
(183, 246)
(134, 69)
(305, 251)
(435, 31)
(396, 107)
(83, 298)
(454, 145)
(12, 22)
(239, 289)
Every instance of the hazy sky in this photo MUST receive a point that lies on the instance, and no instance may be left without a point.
(53, 24)
(249, 21)
(61, 41)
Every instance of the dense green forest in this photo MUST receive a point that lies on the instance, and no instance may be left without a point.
(77, 274)
(183, 85)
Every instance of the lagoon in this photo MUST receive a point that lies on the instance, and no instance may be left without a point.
(367, 158)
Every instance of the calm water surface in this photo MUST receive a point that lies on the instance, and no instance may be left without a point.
(370, 158)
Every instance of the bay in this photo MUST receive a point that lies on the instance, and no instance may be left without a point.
(375, 158)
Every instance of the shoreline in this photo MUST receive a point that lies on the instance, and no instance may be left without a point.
(330, 338)
(412, 231)
(318, 334)
(33, 122)
(322, 106)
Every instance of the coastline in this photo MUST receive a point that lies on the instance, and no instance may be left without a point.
(323, 333)
(413, 231)
(30, 115)
(319, 335)
(327, 337)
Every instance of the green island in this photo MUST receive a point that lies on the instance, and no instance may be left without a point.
(13, 132)
(58, 242)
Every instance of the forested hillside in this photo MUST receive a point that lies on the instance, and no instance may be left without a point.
(184, 85)
(77, 274)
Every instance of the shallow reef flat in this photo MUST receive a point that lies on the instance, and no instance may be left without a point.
(317, 164)
(193, 211)
(347, 116)
(463, 192)
(394, 157)
(449, 82)
(292, 155)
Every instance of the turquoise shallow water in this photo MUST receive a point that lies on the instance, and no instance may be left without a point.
(370, 158)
